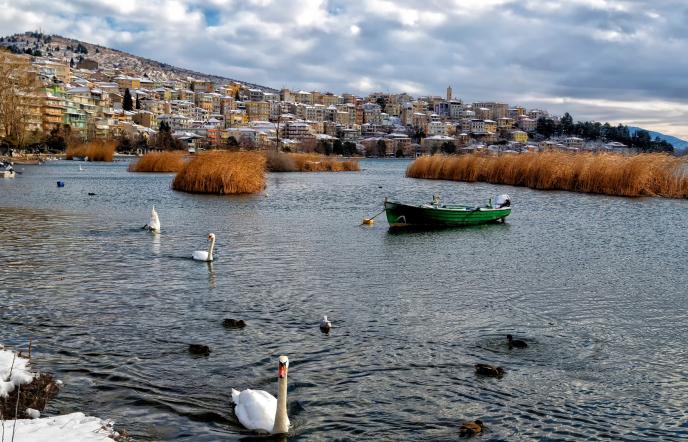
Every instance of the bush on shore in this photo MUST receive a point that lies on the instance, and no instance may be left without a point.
(604, 173)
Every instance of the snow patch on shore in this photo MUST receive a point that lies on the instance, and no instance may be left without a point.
(66, 428)
(15, 371)
(20, 372)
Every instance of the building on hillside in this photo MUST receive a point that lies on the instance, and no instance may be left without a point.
(436, 128)
(202, 86)
(296, 130)
(519, 136)
(255, 95)
(434, 143)
(527, 124)
(573, 142)
(517, 112)
(88, 64)
(505, 123)
(494, 110)
(258, 110)
(304, 97)
(53, 112)
(127, 82)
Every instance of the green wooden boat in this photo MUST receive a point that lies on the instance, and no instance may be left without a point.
(436, 214)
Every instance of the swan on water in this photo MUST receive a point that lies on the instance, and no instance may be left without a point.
(259, 410)
(202, 255)
(325, 325)
(154, 223)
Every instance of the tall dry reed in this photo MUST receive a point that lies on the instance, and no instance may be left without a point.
(605, 173)
(172, 161)
(97, 150)
(222, 173)
(309, 162)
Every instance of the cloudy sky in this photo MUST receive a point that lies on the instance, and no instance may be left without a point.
(606, 60)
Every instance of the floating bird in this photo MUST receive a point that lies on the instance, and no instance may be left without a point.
(516, 342)
(199, 349)
(154, 223)
(325, 325)
(489, 370)
(234, 323)
(202, 255)
(259, 410)
(91, 194)
(471, 428)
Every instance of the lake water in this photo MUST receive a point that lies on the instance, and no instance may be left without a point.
(595, 284)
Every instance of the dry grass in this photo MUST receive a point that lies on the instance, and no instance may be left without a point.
(222, 173)
(308, 162)
(33, 395)
(172, 161)
(604, 173)
(95, 150)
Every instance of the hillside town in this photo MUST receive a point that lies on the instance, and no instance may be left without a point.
(80, 91)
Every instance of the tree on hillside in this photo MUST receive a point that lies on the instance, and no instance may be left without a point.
(546, 127)
(323, 147)
(138, 103)
(232, 143)
(382, 102)
(56, 140)
(567, 124)
(127, 102)
(448, 147)
(164, 140)
(381, 148)
(349, 148)
(418, 135)
(337, 147)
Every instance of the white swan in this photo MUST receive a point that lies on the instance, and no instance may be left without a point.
(325, 325)
(202, 255)
(259, 410)
(154, 223)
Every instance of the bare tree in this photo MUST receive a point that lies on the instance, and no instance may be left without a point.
(20, 102)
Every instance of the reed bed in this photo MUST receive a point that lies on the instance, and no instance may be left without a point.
(223, 173)
(307, 162)
(172, 161)
(95, 150)
(604, 173)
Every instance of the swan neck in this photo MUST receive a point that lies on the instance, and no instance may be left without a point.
(281, 417)
(210, 249)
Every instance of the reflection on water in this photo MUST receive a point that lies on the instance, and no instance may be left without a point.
(594, 284)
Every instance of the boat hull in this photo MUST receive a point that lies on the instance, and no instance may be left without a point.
(404, 215)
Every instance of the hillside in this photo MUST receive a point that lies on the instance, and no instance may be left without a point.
(67, 49)
(678, 143)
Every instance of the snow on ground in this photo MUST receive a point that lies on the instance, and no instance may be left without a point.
(20, 372)
(66, 428)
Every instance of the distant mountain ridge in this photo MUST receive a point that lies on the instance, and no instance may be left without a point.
(678, 143)
(109, 58)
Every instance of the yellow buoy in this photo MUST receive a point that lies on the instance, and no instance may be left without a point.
(368, 221)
